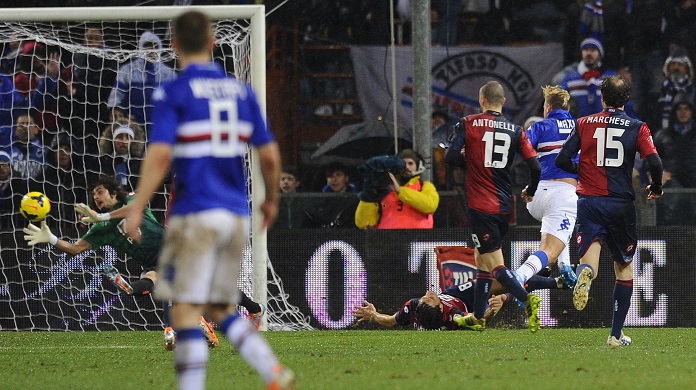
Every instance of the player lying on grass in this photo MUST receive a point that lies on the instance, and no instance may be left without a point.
(449, 309)
(111, 201)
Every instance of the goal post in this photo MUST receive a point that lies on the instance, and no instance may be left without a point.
(36, 24)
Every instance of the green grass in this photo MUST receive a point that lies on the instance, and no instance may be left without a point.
(494, 359)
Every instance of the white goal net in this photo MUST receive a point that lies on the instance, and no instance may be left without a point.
(75, 86)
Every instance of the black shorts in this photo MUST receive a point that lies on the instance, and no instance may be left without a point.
(610, 221)
(487, 230)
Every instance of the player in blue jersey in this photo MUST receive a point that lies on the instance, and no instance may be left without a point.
(608, 142)
(486, 144)
(202, 124)
(554, 202)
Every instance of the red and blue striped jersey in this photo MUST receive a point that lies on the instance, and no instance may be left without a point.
(490, 142)
(608, 142)
(208, 118)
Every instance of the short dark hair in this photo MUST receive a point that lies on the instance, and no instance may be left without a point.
(192, 31)
(615, 91)
(428, 317)
(335, 166)
(112, 185)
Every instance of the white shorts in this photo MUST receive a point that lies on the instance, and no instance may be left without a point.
(201, 257)
(555, 204)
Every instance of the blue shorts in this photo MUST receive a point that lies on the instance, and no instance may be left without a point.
(611, 221)
(487, 230)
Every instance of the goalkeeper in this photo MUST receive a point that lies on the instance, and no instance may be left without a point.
(111, 201)
(394, 196)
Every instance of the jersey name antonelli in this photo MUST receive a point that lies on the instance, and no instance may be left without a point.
(490, 144)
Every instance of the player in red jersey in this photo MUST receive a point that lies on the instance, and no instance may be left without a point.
(608, 142)
(485, 145)
(432, 310)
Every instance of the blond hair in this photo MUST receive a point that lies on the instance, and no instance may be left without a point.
(556, 97)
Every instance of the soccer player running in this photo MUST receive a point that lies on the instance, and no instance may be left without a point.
(202, 123)
(608, 142)
(485, 145)
(555, 202)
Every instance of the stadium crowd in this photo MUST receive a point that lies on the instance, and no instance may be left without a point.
(66, 118)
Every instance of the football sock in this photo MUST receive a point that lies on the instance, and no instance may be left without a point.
(623, 290)
(534, 263)
(251, 306)
(142, 286)
(505, 277)
(537, 282)
(482, 291)
(583, 266)
(190, 359)
(251, 346)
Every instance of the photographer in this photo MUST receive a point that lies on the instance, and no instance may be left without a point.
(394, 196)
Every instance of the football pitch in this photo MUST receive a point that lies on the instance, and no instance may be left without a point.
(364, 359)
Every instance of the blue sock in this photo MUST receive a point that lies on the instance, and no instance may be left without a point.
(482, 291)
(543, 257)
(583, 266)
(537, 282)
(503, 275)
(623, 290)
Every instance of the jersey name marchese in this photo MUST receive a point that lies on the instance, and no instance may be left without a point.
(493, 124)
(612, 120)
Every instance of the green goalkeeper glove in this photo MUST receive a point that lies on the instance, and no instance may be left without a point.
(91, 216)
(36, 235)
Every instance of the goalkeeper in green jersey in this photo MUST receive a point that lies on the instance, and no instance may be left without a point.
(111, 201)
(108, 229)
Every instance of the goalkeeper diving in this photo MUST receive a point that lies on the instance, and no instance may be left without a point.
(108, 228)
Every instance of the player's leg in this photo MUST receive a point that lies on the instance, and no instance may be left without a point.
(146, 284)
(587, 272)
(255, 310)
(252, 346)
(188, 254)
(622, 242)
(623, 290)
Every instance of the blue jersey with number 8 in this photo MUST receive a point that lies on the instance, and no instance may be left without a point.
(209, 119)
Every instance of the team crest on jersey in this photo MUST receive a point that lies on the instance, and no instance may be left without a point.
(468, 72)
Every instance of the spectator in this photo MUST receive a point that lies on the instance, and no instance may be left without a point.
(441, 126)
(445, 17)
(26, 150)
(289, 180)
(7, 93)
(63, 183)
(36, 67)
(338, 179)
(136, 80)
(583, 82)
(122, 145)
(93, 75)
(676, 145)
(6, 209)
(409, 204)
(678, 84)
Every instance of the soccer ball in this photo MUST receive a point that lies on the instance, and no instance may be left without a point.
(35, 206)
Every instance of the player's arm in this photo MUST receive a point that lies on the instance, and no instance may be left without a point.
(154, 170)
(453, 155)
(91, 216)
(655, 169)
(570, 149)
(40, 235)
(530, 158)
(367, 312)
(269, 158)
